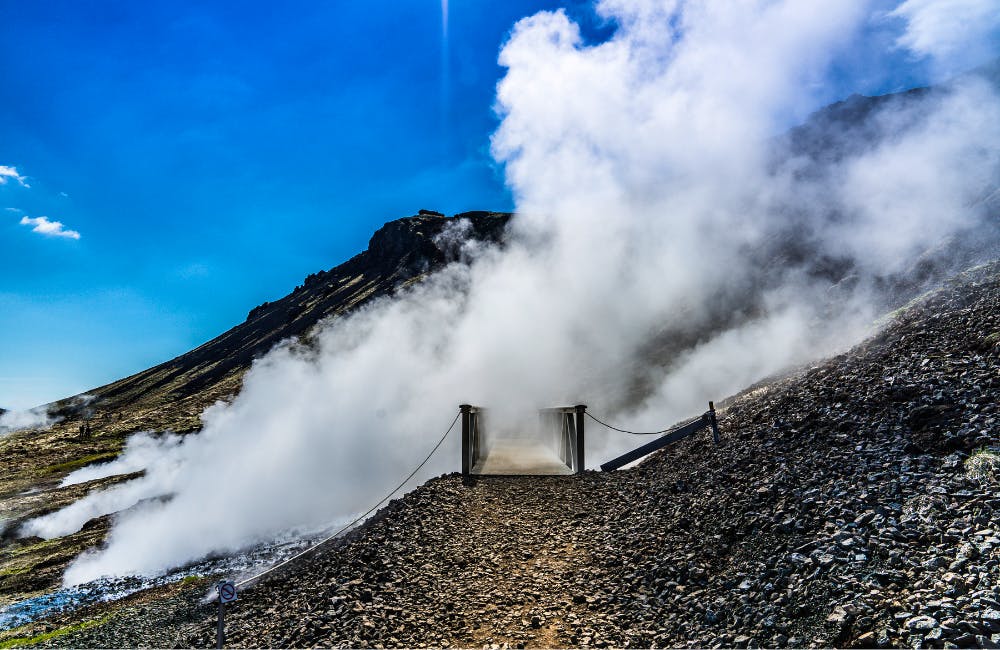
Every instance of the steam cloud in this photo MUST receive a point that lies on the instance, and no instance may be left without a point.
(644, 173)
(36, 418)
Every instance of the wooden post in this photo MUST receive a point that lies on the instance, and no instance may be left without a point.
(715, 424)
(466, 437)
(580, 410)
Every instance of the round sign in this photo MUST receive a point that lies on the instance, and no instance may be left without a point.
(227, 591)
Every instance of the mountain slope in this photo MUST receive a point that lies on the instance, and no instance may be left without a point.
(172, 395)
(838, 510)
(400, 252)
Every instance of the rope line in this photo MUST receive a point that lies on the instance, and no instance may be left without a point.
(359, 518)
(643, 433)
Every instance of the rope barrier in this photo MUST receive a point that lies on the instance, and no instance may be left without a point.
(361, 517)
(643, 433)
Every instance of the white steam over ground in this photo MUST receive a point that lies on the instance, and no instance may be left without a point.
(643, 172)
(36, 418)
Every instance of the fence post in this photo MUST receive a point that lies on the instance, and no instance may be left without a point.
(466, 437)
(580, 410)
(715, 424)
(220, 632)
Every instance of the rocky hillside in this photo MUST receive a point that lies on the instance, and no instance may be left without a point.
(851, 503)
(904, 412)
(400, 252)
(172, 395)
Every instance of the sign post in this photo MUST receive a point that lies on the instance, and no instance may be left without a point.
(227, 594)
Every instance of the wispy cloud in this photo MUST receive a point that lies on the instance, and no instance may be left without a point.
(43, 226)
(10, 174)
(957, 34)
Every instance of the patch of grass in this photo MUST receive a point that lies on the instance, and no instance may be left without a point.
(14, 571)
(896, 313)
(186, 580)
(984, 465)
(994, 338)
(28, 549)
(58, 632)
(77, 463)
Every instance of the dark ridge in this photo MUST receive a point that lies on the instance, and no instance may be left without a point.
(398, 252)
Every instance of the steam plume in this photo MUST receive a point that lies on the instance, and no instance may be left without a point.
(36, 418)
(638, 277)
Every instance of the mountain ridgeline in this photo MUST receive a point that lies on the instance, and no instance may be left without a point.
(399, 253)
(402, 252)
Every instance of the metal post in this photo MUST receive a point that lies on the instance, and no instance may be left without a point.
(580, 410)
(466, 437)
(715, 424)
(220, 635)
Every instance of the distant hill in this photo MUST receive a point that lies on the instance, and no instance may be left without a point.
(400, 252)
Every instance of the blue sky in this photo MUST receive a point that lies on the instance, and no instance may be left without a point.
(211, 155)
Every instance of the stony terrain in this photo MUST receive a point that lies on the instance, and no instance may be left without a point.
(839, 510)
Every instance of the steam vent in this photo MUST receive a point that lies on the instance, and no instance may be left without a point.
(611, 324)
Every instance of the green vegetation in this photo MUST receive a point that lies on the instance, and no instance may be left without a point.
(984, 465)
(895, 314)
(14, 571)
(77, 463)
(45, 636)
(994, 338)
(186, 580)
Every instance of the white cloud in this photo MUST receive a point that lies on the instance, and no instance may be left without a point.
(956, 34)
(43, 226)
(10, 173)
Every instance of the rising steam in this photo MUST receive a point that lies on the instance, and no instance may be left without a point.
(36, 418)
(638, 276)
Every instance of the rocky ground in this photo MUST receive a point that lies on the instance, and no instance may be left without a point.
(839, 511)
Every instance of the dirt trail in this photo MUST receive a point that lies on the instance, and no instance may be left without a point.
(501, 562)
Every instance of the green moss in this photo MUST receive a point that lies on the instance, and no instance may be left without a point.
(993, 338)
(55, 542)
(62, 631)
(77, 463)
(186, 580)
(14, 571)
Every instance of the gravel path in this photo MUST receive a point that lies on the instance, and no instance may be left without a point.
(838, 511)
